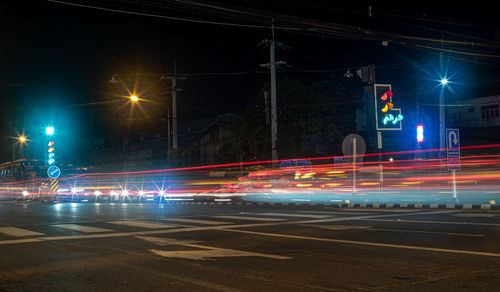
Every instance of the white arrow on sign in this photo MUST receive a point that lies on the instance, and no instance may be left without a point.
(206, 252)
(450, 134)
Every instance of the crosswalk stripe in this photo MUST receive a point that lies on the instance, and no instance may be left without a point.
(14, 231)
(142, 224)
(249, 218)
(197, 221)
(291, 215)
(82, 228)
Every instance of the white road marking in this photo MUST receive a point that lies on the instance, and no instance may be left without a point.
(82, 228)
(472, 215)
(291, 215)
(142, 224)
(336, 212)
(213, 253)
(431, 222)
(197, 221)
(388, 245)
(206, 252)
(338, 227)
(162, 241)
(14, 231)
(350, 227)
(249, 218)
(384, 210)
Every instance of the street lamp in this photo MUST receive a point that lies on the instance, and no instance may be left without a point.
(444, 83)
(21, 139)
(134, 98)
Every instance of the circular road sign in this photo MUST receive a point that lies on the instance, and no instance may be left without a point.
(347, 145)
(54, 172)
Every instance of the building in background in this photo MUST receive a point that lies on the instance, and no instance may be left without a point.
(478, 120)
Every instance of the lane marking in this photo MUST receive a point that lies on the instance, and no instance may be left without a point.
(350, 227)
(338, 227)
(142, 224)
(336, 212)
(290, 215)
(193, 229)
(383, 210)
(162, 241)
(14, 231)
(431, 222)
(197, 221)
(472, 215)
(206, 252)
(213, 253)
(388, 245)
(249, 218)
(82, 228)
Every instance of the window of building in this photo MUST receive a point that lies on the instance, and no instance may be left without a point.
(470, 110)
(489, 112)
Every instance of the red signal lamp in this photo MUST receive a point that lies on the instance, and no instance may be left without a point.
(386, 96)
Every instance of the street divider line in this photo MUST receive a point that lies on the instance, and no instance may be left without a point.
(370, 228)
(376, 244)
(430, 222)
(291, 215)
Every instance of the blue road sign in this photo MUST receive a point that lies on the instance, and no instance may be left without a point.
(453, 148)
(54, 172)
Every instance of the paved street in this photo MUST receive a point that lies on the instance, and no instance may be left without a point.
(95, 247)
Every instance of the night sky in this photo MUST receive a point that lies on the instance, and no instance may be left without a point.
(56, 58)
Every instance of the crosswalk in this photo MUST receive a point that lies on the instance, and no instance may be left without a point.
(34, 231)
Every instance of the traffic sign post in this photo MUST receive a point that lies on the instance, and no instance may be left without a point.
(54, 172)
(453, 155)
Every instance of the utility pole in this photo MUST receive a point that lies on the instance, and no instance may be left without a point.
(174, 106)
(174, 79)
(274, 119)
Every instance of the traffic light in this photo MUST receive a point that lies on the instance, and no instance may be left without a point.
(49, 131)
(420, 133)
(387, 117)
(51, 153)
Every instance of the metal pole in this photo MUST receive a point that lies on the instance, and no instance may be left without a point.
(174, 107)
(454, 184)
(274, 122)
(168, 134)
(441, 123)
(380, 165)
(354, 165)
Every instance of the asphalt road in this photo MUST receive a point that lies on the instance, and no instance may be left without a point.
(132, 247)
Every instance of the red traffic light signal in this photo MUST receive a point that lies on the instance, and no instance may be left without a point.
(386, 95)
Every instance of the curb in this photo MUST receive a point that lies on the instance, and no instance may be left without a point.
(333, 205)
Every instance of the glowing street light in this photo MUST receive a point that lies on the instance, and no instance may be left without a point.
(134, 98)
(49, 131)
(444, 82)
(21, 140)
